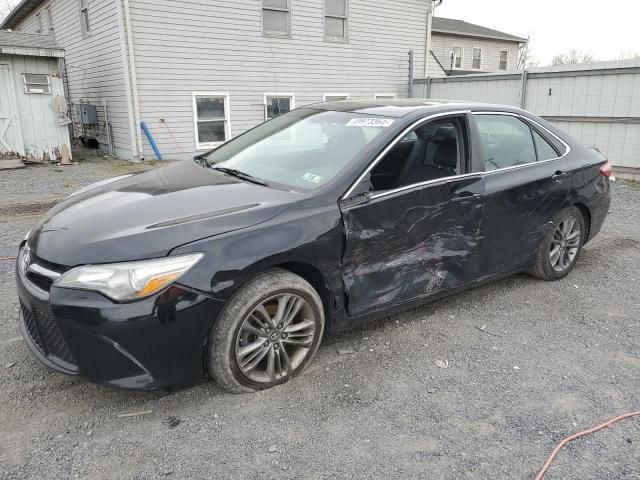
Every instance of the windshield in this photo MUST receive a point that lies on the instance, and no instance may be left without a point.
(302, 149)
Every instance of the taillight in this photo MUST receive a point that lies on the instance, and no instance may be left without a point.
(606, 169)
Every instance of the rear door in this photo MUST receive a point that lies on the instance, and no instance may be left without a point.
(415, 231)
(527, 182)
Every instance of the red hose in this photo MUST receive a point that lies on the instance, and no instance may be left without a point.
(578, 435)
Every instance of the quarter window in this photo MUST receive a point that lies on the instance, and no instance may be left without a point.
(457, 58)
(544, 149)
(85, 24)
(277, 104)
(211, 118)
(36, 83)
(504, 59)
(276, 19)
(477, 58)
(335, 19)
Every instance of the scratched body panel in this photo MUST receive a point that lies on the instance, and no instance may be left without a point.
(411, 244)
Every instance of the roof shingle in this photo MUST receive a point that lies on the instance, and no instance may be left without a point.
(27, 40)
(460, 27)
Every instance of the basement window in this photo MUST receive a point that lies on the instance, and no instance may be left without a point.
(335, 20)
(211, 119)
(37, 83)
(276, 19)
(276, 104)
(334, 97)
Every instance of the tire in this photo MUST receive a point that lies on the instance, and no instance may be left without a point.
(543, 266)
(282, 351)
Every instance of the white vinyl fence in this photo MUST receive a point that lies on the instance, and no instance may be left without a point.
(597, 104)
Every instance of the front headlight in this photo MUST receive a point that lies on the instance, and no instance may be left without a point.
(131, 280)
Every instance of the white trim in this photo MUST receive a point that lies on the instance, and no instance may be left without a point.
(453, 55)
(227, 119)
(329, 94)
(385, 96)
(139, 153)
(292, 96)
(500, 60)
(473, 51)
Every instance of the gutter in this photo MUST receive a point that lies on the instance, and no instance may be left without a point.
(131, 79)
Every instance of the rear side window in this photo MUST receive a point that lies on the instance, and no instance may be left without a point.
(507, 141)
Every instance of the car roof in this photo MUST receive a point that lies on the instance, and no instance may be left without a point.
(403, 107)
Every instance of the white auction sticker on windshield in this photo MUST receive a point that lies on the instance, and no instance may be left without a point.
(310, 177)
(370, 122)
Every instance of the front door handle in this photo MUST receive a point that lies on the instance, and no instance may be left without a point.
(559, 176)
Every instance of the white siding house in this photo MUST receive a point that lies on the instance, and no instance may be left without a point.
(199, 72)
(32, 103)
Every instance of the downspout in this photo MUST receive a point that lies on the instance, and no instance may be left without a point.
(134, 81)
(127, 79)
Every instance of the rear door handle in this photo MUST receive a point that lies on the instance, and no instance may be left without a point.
(559, 176)
(466, 197)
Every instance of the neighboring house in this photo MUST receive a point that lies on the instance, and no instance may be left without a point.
(461, 48)
(33, 124)
(200, 72)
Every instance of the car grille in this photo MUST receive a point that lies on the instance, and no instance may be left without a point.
(46, 334)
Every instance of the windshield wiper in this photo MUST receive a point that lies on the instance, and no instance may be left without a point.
(241, 175)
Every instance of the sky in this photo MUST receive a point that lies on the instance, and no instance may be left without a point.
(603, 29)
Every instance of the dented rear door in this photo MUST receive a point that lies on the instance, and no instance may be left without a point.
(413, 243)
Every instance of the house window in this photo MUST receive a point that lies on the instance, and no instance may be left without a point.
(385, 96)
(211, 119)
(276, 19)
(39, 25)
(504, 59)
(456, 58)
(36, 83)
(276, 104)
(85, 24)
(49, 18)
(477, 58)
(334, 97)
(335, 20)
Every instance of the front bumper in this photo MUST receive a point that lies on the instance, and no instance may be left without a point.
(155, 343)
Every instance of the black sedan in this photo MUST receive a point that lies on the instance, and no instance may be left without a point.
(233, 266)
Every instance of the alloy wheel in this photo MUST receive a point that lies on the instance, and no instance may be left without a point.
(565, 244)
(275, 338)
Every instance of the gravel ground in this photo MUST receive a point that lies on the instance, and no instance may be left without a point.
(554, 358)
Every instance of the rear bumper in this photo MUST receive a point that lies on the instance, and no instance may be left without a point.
(156, 343)
(599, 209)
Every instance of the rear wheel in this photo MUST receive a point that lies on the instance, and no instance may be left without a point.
(561, 247)
(267, 334)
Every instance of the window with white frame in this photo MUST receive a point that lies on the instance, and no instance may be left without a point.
(336, 17)
(39, 25)
(276, 17)
(85, 24)
(456, 57)
(477, 58)
(504, 59)
(37, 83)
(334, 97)
(49, 13)
(211, 119)
(276, 104)
(385, 96)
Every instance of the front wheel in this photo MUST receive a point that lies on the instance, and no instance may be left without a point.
(267, 334)
(561, 247)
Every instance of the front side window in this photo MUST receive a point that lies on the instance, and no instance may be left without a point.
(303, 149)
(457, 57)
(85, 24)
(276, 18)
(211, 114)
(506, 141)
(277, 104)
(335, 19)
(477, 59)
(36, 83)
(430, 152)
(504, 59)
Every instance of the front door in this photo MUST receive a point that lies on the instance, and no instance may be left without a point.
(526, 183)
(416, 231)
(10, 139)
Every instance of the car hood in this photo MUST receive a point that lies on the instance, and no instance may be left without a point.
(149, 214)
